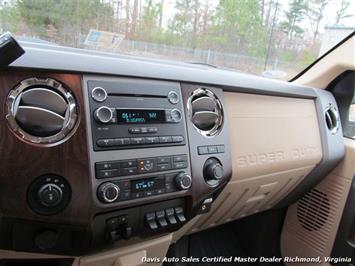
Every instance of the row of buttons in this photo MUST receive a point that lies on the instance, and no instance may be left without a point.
(142, 130)
(133, 167)
(165, 217)
(139, 141)
(212, 149)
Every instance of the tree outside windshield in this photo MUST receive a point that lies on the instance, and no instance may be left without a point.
(273, 38)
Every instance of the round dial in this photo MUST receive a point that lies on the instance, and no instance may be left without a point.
(50, 195)
(108, 192)
(99, 94)
(103, 114)
(173, 97)
(213, 171)
(176, 115)
(183, 181)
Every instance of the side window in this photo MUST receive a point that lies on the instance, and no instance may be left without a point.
(343, 89)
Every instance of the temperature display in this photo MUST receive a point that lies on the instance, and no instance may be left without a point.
(147, 184)
(136, 116)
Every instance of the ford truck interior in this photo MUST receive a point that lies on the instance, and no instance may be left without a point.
(110, 159)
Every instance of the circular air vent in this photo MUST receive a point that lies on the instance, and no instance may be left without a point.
(205, 112)
(332, 119)
(313, 210)
(41, 111)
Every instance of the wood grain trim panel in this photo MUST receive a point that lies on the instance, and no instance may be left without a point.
(21, 163)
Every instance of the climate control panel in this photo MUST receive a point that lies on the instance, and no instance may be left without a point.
(129, 189)
(120, 168)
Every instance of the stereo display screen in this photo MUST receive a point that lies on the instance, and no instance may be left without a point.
(137, 116)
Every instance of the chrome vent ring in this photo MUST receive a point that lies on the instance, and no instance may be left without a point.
(205, 111)
(332, 119)
(41, 111)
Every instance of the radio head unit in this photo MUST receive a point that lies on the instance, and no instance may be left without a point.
(127, 114)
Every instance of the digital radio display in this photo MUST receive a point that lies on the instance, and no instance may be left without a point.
(136, 116)
(147, 184)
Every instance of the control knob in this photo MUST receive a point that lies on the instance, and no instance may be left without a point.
(108, 192)
(183, 181)
(50, 195)
(176, 115)
(103, 114)
(212, 171)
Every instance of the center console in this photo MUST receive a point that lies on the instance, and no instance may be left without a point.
(158, 154)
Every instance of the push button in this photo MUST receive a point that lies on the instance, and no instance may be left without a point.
(144, 130)
(130, 163)
(129, 171)
(163, 167)
(170, 215)
(179, 158)
(169, 187)
(180, 214)
(212, 149)
(202, 150)
(105, 142)
(146, 165)
(220, 148)
(125, 195)
(107, 173)
(134, 130)
(151, 140)
(148, 193)
(137, 195)
(99, 94)
(152, 129)
(150, 220)
(121, 141)
(165, 139)
(179, 165)
(177, 139)
(163, 160)
(106, 166)
(161, 218)
(137, 141)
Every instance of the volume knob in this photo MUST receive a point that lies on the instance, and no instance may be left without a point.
(108, 192)
(183, 181)
(103, 114)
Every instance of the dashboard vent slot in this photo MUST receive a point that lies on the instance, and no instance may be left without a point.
(332, 119)
(205, 112)
(313, 210)
(41, 111)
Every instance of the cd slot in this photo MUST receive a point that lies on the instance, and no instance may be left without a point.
(136, 95)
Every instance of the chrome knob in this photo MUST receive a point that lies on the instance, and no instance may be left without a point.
(99, 94)
(183, 181)
(103, 114)
(108, 192)
(176, 115)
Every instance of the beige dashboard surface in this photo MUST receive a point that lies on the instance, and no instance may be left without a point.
(275, 143)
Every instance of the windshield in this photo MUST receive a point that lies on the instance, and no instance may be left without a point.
(272, 38)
